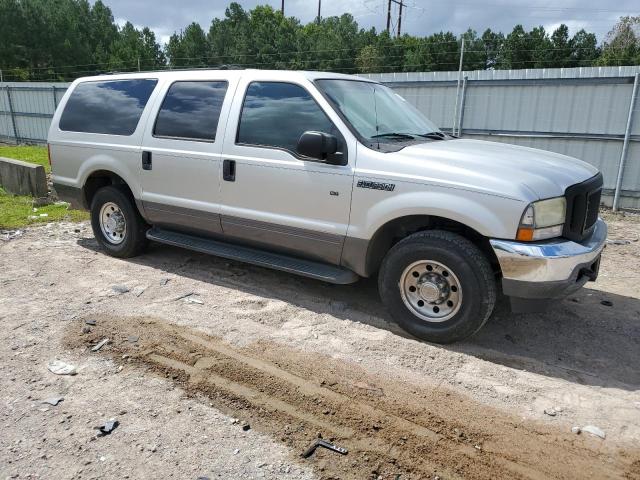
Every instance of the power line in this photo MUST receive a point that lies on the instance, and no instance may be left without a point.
(527, 6)
(352, 68)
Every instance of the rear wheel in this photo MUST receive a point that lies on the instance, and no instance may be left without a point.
(438, 286)
(117, 224)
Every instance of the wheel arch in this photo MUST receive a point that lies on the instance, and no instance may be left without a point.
(100, 178)
(365, 256)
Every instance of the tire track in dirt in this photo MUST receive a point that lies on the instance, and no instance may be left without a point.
(391, 429)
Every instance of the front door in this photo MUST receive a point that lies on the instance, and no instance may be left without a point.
(181, 155)
(272, 196)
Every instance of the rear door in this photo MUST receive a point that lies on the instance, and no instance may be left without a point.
(272, 196)
(181, 151)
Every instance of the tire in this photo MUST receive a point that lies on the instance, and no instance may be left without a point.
(449, 275)
(121, 243)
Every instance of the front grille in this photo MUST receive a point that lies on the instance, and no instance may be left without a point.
(583, 202)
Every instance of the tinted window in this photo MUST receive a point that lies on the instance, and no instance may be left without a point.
(191, 110)
(112, 107)
(276, 114)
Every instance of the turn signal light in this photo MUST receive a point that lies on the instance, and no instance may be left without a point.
(525, 234)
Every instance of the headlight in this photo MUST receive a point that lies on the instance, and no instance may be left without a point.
(542, 219)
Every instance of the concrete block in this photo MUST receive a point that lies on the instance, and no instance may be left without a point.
(22, 178)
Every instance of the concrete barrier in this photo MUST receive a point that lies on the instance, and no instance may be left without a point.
(22, 178)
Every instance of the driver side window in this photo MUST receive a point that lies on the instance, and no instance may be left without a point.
(276, 114)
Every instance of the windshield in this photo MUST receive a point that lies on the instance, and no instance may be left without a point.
(376, 112)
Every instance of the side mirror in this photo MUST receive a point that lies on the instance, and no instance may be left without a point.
(321, 146)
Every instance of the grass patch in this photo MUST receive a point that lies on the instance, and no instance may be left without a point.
(16, 210)
(31, 154)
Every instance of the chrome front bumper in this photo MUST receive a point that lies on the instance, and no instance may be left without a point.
(549, 269)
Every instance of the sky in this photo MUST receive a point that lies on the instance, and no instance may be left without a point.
(420, 17)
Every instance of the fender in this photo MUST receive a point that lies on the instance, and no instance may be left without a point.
(491, 216)
(106, 162)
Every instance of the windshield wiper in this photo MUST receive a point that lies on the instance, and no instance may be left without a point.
(395, 135)
(435, 135)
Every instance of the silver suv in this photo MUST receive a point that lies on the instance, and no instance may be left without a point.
(332, 177)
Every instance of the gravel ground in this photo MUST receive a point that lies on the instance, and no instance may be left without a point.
(197, 342)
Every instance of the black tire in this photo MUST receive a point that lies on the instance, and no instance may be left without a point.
(134, 239)
(464, 260)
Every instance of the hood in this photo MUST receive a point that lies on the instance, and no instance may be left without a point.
(518, 172)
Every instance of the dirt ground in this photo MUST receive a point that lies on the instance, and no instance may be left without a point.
(217, 369)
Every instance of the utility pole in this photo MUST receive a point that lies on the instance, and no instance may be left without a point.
(138, 63)
(397, 2)
(319, 4)
(455, 110)
(282, 7)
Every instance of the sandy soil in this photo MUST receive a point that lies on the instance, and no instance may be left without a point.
(197, 342)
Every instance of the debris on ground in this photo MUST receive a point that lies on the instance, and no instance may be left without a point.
(246, 427)
(607, 303)
(191, 298)
(619, 242)
(137, 291)
(186, 295)
(53, 400)
(593, 430)
(552, 412)
(61, 368)
(108, 427)
(133, 338)
(164, 281)
(120, 289)
(576, 430)
(90, 321)
(6, 235)
(319, 442)
(100, 344)
(197, 301)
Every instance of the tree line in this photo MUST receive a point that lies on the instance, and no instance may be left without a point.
(65, 39)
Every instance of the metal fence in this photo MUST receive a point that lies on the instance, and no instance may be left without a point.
(586, 113)
(26, 109)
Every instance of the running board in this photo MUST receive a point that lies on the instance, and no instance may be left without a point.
(263, 258)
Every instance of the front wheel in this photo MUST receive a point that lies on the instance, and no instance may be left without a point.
(438, 286)
(117, 225)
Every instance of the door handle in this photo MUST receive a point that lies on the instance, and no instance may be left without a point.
(146, 160)
(229, 170)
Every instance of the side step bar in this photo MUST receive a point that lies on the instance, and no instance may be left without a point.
(263, 258)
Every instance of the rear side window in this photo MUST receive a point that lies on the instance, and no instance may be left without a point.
(113, 107)
(275, 114)
(191, 111)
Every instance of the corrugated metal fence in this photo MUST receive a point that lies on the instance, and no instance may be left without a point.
(582, 112)
(26, 109)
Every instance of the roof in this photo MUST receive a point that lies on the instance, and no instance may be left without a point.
(227, 73)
